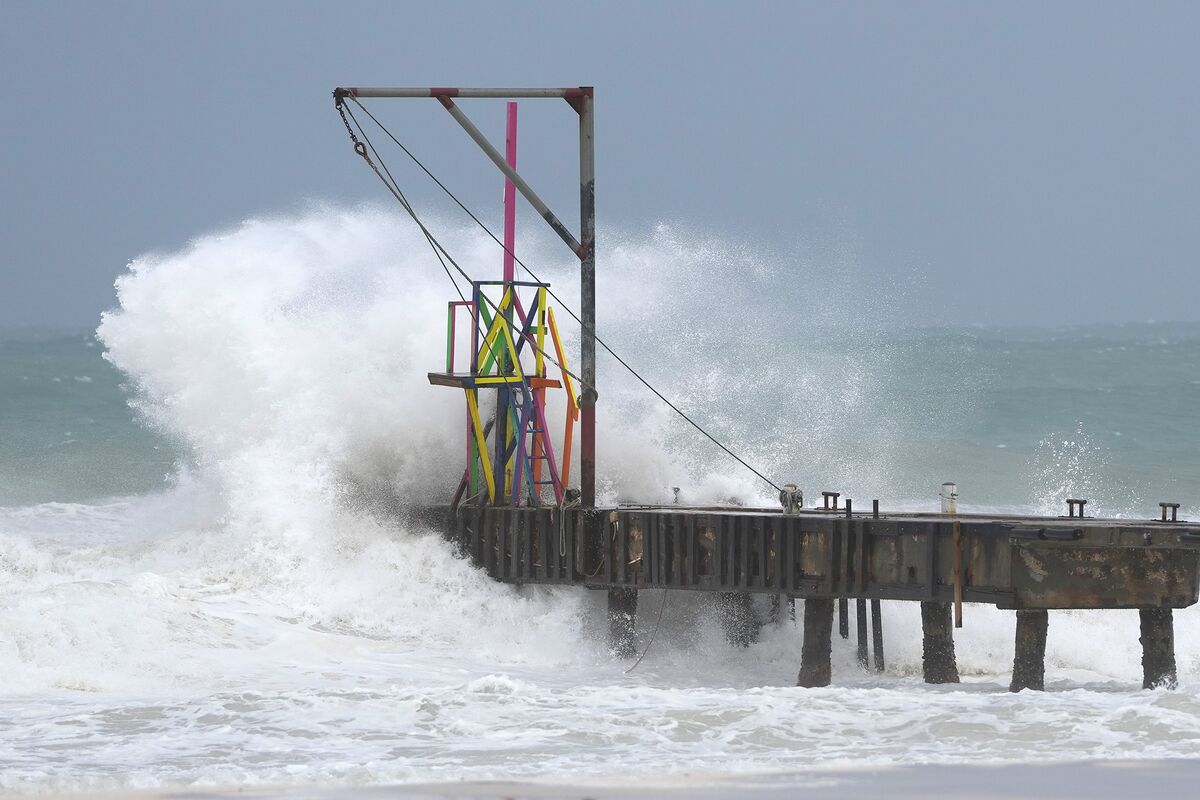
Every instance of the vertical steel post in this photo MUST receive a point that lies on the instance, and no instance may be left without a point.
(503, 393)
(877, 634)
(861, 608)
(619, 600)
(510, 193)
(587, 298)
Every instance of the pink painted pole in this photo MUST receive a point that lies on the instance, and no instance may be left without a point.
(510, 194)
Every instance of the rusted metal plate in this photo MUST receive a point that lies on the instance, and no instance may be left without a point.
(1009, 562)
(987, 559)
(1079, 576)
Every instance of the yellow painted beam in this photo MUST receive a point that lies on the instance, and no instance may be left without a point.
(481, 442)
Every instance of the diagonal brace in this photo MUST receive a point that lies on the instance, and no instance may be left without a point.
(510, 173)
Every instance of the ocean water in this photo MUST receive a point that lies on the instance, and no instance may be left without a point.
(207, 576)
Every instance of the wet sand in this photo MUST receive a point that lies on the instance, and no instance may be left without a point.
(1093, 780)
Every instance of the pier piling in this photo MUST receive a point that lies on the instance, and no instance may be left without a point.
(938, 643)
(844, 618)
(877, 634)
(1029, 661)
(815, 668)
(1158, 649)
(863, 656)
(622, 620)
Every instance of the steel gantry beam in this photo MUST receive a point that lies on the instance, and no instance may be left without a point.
(582, 99)
(567, 93)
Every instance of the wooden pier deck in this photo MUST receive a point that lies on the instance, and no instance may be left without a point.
(1028, 564)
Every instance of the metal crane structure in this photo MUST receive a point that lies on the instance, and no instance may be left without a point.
(507, 328)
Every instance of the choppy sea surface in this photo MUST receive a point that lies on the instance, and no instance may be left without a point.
(205, 580)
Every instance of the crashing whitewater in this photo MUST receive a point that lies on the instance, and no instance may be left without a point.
(272, 617)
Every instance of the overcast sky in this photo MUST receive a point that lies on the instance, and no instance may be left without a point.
(1028, 162)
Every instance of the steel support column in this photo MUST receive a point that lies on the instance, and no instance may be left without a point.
(587, 298)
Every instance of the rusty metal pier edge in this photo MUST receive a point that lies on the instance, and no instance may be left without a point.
(1027, 564)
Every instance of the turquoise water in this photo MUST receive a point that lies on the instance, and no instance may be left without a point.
(67, 433)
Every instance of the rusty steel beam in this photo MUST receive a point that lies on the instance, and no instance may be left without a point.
(1007, 562)
(587, 298)
(958, 576)
(566, 93)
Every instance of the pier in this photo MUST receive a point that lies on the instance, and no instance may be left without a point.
(826, 558)
(515, 514)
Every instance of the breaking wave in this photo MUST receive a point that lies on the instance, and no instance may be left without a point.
(275, 615)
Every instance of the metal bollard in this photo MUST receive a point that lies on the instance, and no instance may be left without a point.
(949, 497)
